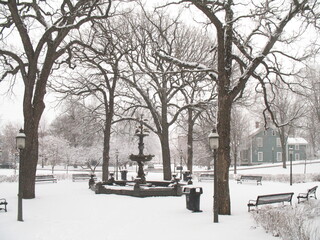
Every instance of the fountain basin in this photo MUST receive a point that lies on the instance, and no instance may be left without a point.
(140, 190)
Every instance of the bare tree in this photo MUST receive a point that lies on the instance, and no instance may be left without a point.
(311, 75)
(77, 124)
(287, 110)
(44, 30)
(251, 38)
(8, 144)
(99, 59)
(198, 90)
(158, 86)
(239, 128)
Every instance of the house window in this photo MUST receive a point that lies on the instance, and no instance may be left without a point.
(297, 147)
(260, 156)
(259, 142)
(279, 156)
(278, 142)
(297, 156)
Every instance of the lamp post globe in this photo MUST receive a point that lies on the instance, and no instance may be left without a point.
(21, 140)
(213, 139)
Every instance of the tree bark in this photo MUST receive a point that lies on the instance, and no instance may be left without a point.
(190, 141)
(223, 164)
(32, 115)
(164, 140)
(106, 151)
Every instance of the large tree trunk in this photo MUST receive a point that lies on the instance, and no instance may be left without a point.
(190, 142)
(224, 119)
(164, 139)
(32, 115)
(105, 156)
(106, 148)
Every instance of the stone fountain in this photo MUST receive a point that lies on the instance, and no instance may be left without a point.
(141, 158)
(140, 187)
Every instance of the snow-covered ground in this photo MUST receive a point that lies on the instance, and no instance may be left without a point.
(70, 211)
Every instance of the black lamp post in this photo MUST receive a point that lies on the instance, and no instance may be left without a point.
(181, 156)
(117, 163)
(214, 144)
(21, 144)
(291, 155)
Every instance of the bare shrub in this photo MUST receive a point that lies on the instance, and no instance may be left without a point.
(12, 178)
(297, 178)
(295, 223)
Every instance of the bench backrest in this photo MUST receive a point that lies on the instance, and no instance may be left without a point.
(206, 175)
(249, 177)
(274, 198)
(312, 190)
(80, 175)
(44, 176)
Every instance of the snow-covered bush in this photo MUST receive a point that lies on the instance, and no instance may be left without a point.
(11, 178)
(301, 222)
(297, 178)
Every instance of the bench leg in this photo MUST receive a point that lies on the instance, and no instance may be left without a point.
(4, 208)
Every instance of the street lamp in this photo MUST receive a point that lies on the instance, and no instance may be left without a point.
(291, 155)
(117, 162)
(21, 144)
(214, 144)
(181, 157)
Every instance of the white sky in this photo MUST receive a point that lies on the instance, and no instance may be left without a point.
(10, 104)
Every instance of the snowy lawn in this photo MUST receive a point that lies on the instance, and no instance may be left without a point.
(70, 211)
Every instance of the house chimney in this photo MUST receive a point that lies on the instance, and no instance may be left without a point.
(257, 124)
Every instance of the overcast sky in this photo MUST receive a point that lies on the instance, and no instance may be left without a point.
(11, 103)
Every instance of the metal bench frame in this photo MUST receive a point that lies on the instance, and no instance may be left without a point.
(311, 193)
(205, 176)
(271, 198)
(4, 202)
(46, 178)
(82, 176)
(250, 178)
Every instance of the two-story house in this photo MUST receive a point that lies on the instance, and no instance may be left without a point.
(264, 146)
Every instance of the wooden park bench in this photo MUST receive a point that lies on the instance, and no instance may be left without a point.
(311, 193)
(3, 201)
(205, 176)
(269, 199)
(82, 176)
(250, 178)
(46, 178)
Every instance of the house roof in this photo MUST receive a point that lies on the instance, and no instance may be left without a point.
(297, 140)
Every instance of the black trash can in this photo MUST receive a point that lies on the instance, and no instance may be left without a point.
(124, 174)
(193, 198)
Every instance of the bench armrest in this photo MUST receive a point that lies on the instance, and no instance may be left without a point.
(302, 194)
(253, 202)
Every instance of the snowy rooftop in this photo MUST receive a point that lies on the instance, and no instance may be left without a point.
(297, 141)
